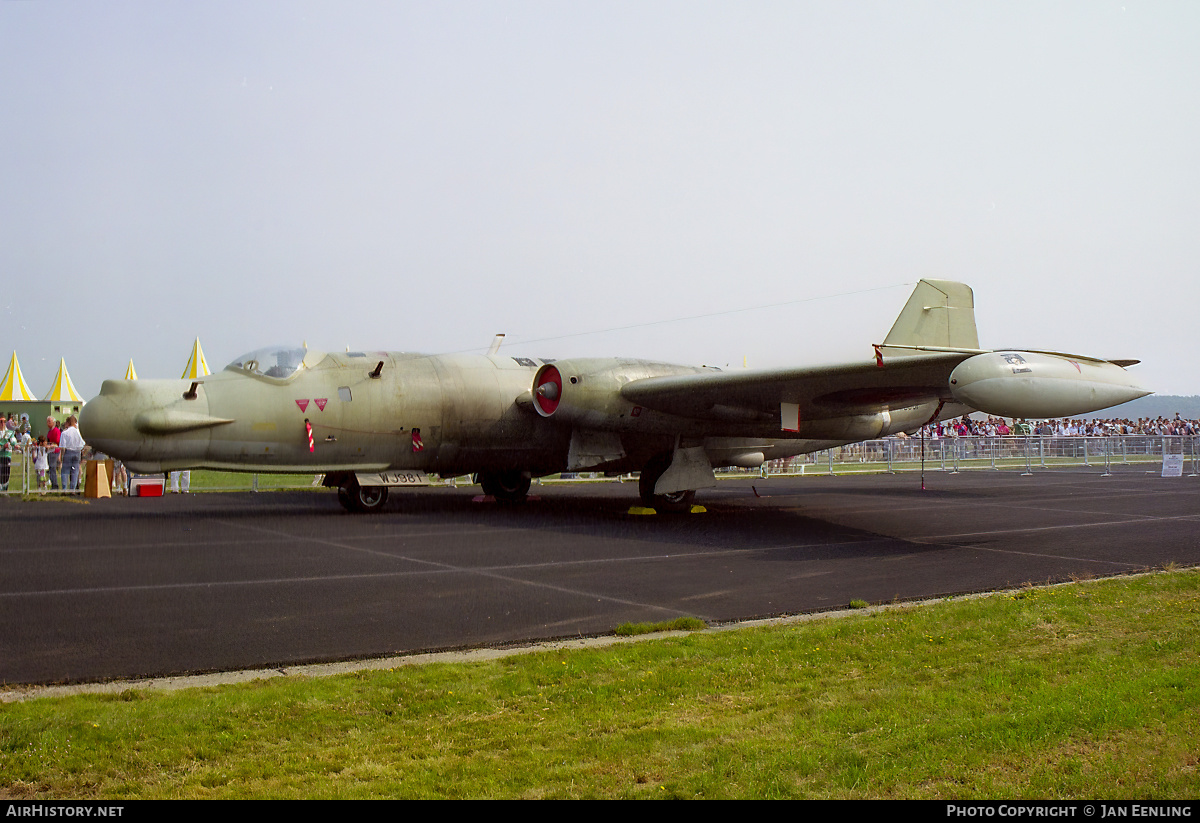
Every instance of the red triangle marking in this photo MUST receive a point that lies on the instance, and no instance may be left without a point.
(303, 404)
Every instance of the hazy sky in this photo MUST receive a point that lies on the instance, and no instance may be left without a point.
(419, 176)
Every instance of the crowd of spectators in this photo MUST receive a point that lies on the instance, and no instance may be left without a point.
(1066, 427)
(56, 456)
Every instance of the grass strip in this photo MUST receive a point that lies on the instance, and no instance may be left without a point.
(689, 624)
(1087, 690)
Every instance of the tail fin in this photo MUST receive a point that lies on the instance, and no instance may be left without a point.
(939, 313)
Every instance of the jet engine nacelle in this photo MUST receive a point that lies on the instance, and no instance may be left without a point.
(1036, 384)
(586, 392)
(577, 392)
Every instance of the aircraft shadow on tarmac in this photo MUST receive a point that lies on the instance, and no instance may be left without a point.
(735, 518)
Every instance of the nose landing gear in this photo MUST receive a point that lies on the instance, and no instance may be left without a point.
(361, 499)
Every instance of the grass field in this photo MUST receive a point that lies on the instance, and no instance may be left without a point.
(1090, 690)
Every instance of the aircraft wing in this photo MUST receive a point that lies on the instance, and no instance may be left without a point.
(820, 392)
(930, 358)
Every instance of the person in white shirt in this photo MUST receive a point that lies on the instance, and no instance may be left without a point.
(71, 443)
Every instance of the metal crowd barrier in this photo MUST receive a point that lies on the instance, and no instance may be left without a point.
(1024, 453)
(1027, 454)
(23, 480)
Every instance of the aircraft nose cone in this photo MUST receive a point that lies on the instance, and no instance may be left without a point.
(102, 424)
(147, 423)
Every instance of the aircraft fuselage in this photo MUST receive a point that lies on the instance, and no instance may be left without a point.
(442, 414)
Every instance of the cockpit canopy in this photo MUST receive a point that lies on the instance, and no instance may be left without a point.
(279, 362)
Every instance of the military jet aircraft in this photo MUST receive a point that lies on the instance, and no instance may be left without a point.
(371, 421)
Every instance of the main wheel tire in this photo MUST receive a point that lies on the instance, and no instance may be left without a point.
(362, 499)
(509, 486)
(662, 503)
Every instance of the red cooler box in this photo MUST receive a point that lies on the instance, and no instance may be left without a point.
(147, 486)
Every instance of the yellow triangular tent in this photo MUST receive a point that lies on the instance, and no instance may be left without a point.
(63, 390)
(197, 366)
(130, 374)
(14, 386)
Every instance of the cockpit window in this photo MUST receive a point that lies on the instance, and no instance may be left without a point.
(272, 361)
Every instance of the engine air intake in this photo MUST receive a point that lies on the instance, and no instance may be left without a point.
(547, 390)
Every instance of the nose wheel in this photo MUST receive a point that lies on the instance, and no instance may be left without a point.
(361, 499)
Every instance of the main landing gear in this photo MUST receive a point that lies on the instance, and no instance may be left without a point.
(673, 502)
(508, 486)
